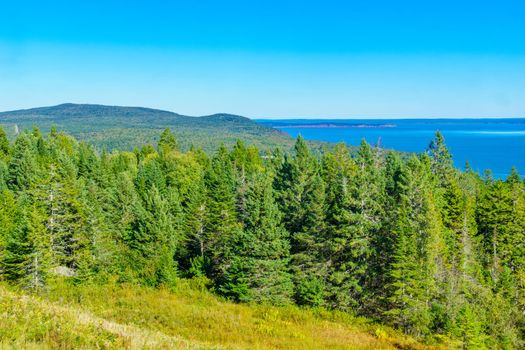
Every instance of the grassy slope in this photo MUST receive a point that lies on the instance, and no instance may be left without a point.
(114, 127)
(136, 318)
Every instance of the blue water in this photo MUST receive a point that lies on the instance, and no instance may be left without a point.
(496, 144)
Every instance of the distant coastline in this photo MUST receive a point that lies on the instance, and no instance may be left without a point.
(333, 126)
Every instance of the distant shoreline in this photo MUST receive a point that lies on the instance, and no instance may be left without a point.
(334, 126)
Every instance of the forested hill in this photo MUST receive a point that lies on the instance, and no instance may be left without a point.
(115, 127)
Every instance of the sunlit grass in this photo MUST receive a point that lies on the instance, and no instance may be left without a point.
(114, 316)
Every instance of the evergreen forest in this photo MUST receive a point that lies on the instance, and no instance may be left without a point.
(407, 241)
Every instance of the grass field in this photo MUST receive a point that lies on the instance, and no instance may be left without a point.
(131, 317)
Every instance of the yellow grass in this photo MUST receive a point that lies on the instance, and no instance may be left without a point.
(132, 317)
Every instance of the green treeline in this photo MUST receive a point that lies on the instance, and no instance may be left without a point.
(413, 243)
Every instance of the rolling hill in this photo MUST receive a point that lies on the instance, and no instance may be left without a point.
(115, 127)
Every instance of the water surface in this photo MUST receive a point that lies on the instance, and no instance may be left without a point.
(496, 144)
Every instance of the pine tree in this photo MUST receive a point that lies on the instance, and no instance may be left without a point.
(39, 260)
(8, 225)
(27, 256)
(150, 175)
(301, 198)
(58, 196)
(3, 175)
(222, 228)
(412, 272)
(494, 217)
(88, 162)
(263, 253)
(23, 166)
(471, 329)
(453, 217)
(441, 159)
(167, 142)
(122, 206)
(4, 144)
(160, 227)
(196, 246)
(99, 232)
(308, 264)
(17, 245)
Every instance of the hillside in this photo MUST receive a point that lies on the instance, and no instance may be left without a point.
(114, 127)
(413, 244)
(117, 317)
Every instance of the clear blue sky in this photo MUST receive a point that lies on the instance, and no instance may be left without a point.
(268, 58)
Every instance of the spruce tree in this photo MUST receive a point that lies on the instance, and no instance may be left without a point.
(196, 247)
(301, 198)
(27, 256)
(4, 144)
(39, 259)
(222, 228)
(412, 285)
(8, 225)
(494, 216)
(441, 159)
(23, 166)
(264, 250)
(167, 142)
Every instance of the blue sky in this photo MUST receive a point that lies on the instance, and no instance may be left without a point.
(268, 59)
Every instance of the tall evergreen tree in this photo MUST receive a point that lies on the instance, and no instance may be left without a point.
(167, 142)
(441, 159)
(222, 227)
(8, 225)
(263, 255)
(301, 198)
(196, 246)
(413, 270)
(4, 144)
(23, 166)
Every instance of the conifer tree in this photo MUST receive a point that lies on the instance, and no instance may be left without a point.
(150, 175)
(23, 166)
(8, 225)
(301, 198)
(196, 247)
(63, 217)
(100, 234)
(4, 144)
(222, 227)
(441, 159)
(3, 175)
(167, 142)
(494, 216)
(27, 257)
(160, 233)
(412, 273)
(39, 260)
(263, 253)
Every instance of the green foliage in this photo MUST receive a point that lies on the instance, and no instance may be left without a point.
(4, 143)
(126, 128)
(413, 242)
(167, 141)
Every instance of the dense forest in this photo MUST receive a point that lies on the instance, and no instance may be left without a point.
(413, 243)
(124, 128)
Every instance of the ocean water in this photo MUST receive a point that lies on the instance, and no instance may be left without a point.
(495, 144)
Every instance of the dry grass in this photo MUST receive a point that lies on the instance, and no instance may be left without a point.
(31, 323)
(136, 318)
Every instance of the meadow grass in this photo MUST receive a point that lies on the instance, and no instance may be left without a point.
(131, 317)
